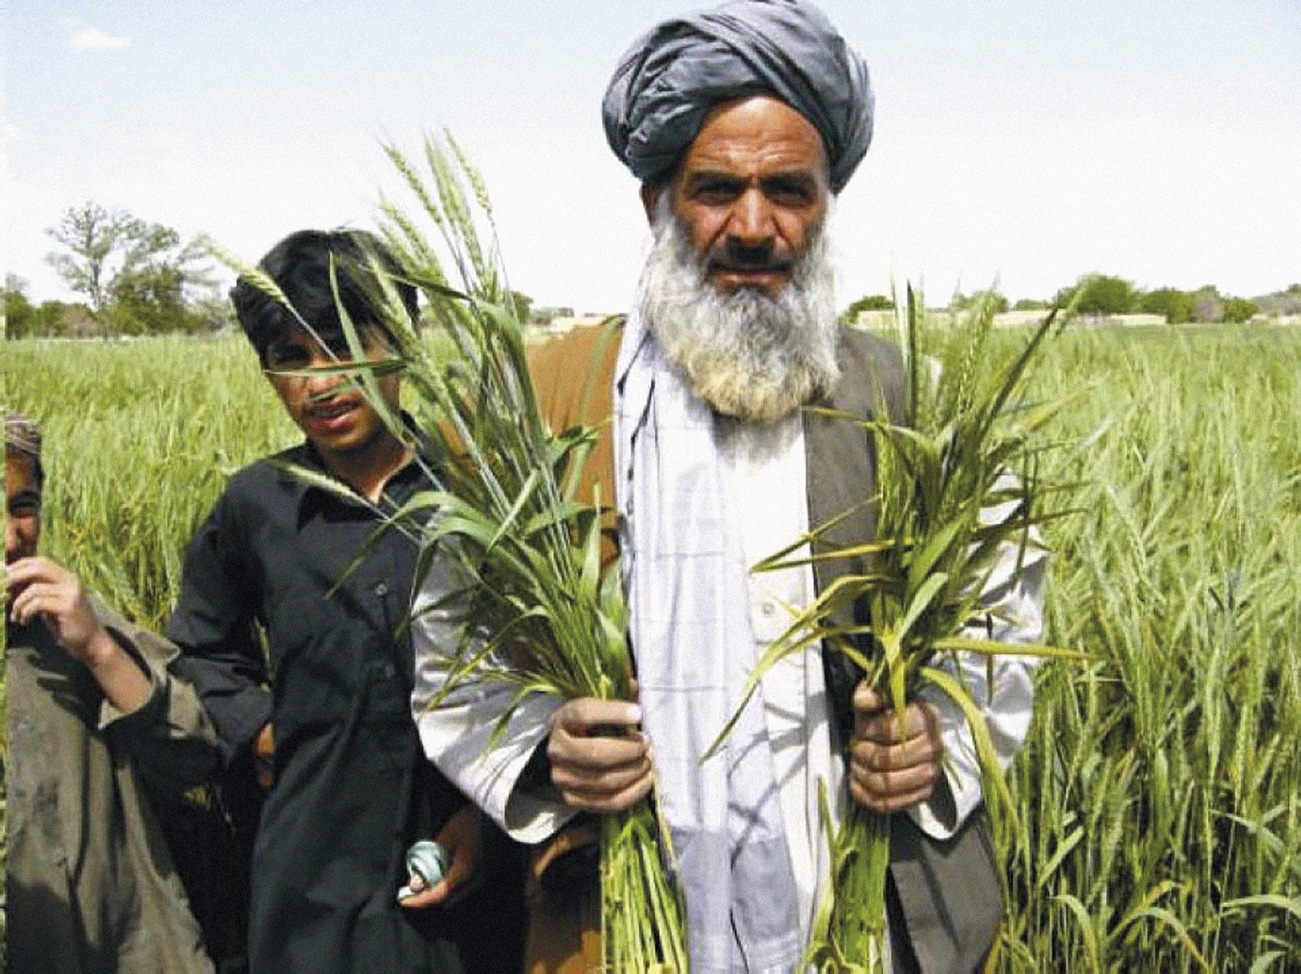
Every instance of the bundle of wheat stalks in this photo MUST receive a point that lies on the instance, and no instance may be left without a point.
(957, 491)
(544, 612)
(548, 614)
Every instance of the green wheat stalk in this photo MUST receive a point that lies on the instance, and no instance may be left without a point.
(941, 471)
(547, 615)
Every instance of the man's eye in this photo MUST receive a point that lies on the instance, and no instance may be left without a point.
(790, 193)
(790, 197)
(715, 196)
(716, 192)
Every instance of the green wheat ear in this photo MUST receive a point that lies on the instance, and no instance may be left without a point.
(939, 476)
(536, 588)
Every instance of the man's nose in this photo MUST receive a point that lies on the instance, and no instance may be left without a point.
(751, 223)
(13, 541)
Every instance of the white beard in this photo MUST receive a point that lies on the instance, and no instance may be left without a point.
(747, 353)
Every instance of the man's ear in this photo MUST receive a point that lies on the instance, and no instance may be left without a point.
(650, 197)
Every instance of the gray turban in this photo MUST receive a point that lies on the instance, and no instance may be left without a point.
(668, 80)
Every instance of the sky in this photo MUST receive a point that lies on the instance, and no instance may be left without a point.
(1018, 144)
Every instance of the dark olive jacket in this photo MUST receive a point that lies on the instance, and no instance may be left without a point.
(92, 888)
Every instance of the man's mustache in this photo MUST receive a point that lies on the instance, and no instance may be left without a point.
(748, 259)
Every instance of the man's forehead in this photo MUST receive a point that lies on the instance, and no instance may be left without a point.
(755, 135)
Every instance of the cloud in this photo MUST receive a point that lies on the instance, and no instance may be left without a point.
(90, 39)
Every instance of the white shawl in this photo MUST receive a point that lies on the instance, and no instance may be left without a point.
(687, 571)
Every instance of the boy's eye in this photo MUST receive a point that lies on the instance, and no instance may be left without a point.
(339, 348)
(287, 355)
(24, 507)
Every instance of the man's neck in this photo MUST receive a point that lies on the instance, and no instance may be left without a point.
(367, 471)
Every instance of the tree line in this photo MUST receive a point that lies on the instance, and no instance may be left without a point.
(142, 278)
(1103, 295)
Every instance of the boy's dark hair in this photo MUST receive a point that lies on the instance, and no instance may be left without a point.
(300, 265)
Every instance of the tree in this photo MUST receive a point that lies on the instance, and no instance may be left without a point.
(20, 316)
(1030, 304)
(522, 303)
(1209, 304)
(962, 302)
(870, 302)
(1101, 294)
(91, 234)
(1177, 306)
(25, 320)
(134, 273)
(1239, 310)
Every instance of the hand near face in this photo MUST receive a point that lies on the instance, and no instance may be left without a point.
(40, 588)
(888, 770)
(600, 759)
(462, 838)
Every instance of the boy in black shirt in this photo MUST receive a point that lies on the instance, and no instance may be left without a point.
(326, 713)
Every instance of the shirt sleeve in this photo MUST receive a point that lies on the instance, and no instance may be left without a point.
(1011, 612)
(461, 728)
(213, 626)
(170, 739)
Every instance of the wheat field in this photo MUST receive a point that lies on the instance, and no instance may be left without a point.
(1159, 793)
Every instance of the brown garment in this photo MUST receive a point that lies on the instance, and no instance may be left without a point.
(91, 885)
(946, 906)
(573, 377)
(564, 903)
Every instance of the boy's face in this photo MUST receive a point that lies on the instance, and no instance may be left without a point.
(332, 412)
(22, 507)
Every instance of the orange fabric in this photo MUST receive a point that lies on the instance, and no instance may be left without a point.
(573, 376)
(564, 931)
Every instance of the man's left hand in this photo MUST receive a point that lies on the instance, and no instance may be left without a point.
(894, 759)
(463, 839)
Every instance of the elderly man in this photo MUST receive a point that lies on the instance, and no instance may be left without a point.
(94, 716)
(742, 123)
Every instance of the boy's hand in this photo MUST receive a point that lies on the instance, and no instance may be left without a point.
(889, 770)
(463, 840)
(40, 587)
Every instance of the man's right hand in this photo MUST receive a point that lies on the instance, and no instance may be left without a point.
(600, 759)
